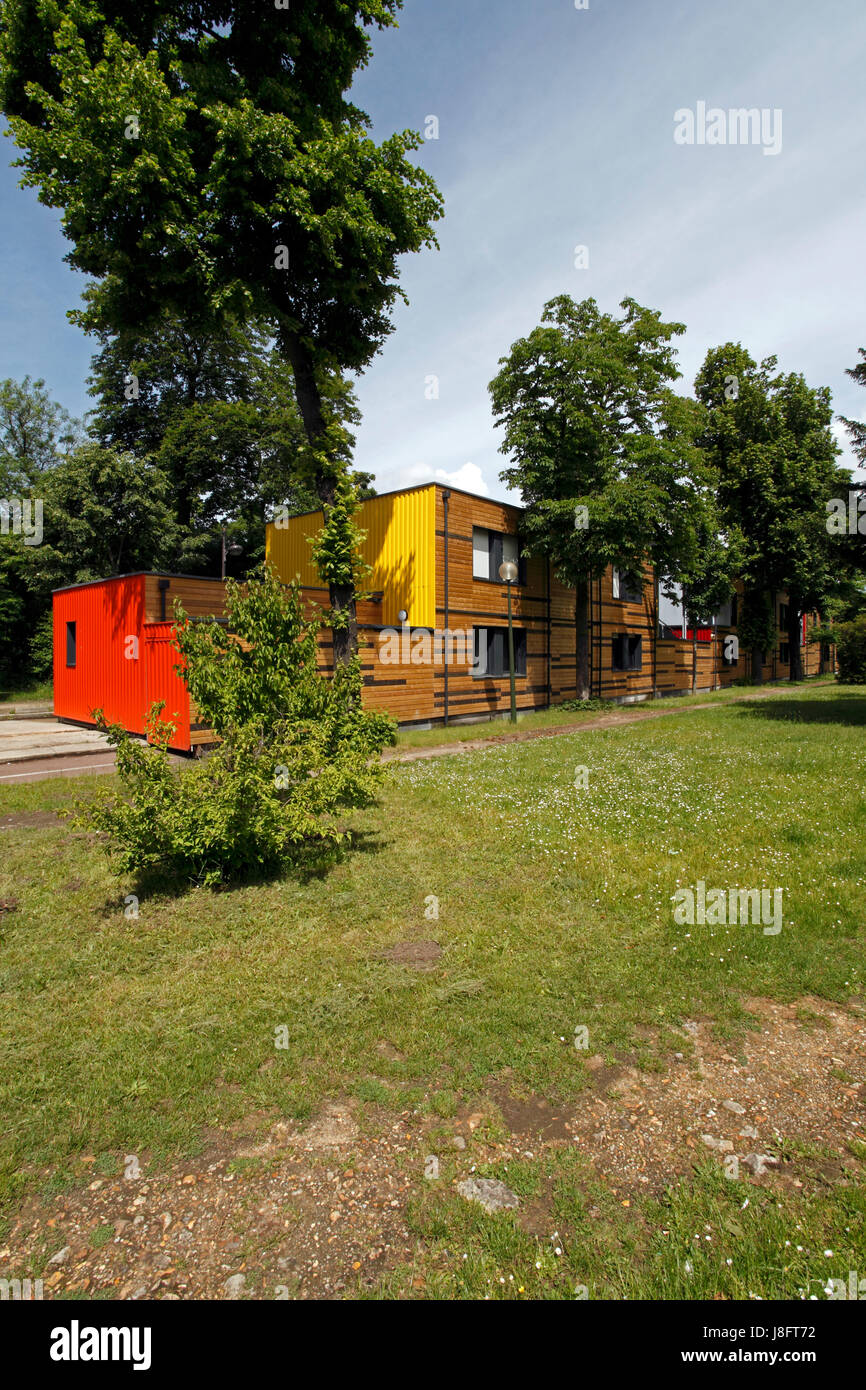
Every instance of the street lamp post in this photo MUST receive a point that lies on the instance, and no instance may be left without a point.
(227, 549)
(508, 575)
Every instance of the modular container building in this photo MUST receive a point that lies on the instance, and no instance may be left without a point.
(114, 650)
(433, 631)
(432, 626)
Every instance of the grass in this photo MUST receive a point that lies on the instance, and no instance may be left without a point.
(37, 690)
(133, 1036)
(699, 1241)
(560, 716)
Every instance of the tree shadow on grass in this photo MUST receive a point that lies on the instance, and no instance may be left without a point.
(310, 862)
(838, 709)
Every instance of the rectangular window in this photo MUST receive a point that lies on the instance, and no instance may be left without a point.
(480, 554)
(627, 652)
(70, 644)
(671, 617)
(491, 652)
(784, 653)
(783, 616)
(490, 549)
(627, 586)
(727, 614)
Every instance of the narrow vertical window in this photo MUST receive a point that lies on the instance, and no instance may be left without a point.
(70, 644)
(480, 553)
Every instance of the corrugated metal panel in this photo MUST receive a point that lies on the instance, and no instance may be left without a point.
(108, 671)
(122, 664)
(400, 547)
(288, 549)
(162, 682)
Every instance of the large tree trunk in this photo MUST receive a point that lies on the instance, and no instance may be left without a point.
(342, 596)
(691, 622)
(757, 666)
(581, 624)
(795, 670)
(822, 665)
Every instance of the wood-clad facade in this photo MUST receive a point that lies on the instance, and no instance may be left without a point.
(201, 598)
(452, 665)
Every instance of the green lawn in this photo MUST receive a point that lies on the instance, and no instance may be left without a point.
(559, 714)
(555, 911)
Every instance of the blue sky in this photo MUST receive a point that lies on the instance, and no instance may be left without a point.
(556, 129)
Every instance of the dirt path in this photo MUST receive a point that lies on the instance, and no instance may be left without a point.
(270, 1211)
(604, 721)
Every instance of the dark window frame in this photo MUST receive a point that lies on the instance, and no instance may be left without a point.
(631, 652)
(71, 645)
(633, 583)
(520, 652)
(495, 557)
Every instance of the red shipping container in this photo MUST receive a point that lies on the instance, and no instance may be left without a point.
(108, 656)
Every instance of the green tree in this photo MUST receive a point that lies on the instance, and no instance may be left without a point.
(603, 450)
(768, 437)
(850, 641)
(856, 428)
(814, 564)
(706, 570)
(35, 434)
(106, 513)
(216, 412)
(855, 545)
(210, 166)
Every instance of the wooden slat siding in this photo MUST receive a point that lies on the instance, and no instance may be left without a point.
(202, 598)
(403, 690)
(616, 617)
(484, 603)
(414, 693)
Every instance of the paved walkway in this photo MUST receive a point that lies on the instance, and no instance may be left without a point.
(31, 749)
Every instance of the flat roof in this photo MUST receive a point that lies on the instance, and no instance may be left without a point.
(418, 487)
(134, 574)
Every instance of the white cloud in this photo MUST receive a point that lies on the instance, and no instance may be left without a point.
(469, 478)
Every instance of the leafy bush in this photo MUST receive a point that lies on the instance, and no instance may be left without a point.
(42, 648)
(295, 749)
(850, 641)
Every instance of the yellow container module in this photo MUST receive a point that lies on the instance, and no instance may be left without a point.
(399, 547)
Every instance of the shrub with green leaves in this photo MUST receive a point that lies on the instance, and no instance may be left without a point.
(295, 750)
(850, 641)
